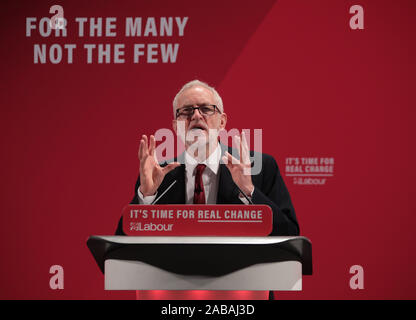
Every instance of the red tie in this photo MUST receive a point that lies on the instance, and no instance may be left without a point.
(199, 193)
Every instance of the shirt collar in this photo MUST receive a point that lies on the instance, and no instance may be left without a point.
(212, 162)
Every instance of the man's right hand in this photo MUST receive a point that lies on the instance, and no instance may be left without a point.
(151, 173)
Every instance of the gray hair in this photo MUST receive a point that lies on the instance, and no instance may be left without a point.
(197, 83)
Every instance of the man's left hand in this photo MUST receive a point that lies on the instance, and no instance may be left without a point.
(240, 169)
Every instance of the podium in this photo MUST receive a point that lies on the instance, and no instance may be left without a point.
(202, 263)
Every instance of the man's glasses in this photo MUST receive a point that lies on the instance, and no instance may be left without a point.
(188, 111)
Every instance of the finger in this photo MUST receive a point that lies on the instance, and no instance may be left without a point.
(170, 167)
(231, 160)
(236, 144)
(141, 146)
(155, 157)
(245, 156)
(152, 145)
(227, 159)
(224, 159)
(145, 146)
(240, 146)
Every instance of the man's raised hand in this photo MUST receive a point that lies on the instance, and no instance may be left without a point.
(151, 173)
(240, 169)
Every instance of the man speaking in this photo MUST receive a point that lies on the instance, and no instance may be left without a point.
(209, 172)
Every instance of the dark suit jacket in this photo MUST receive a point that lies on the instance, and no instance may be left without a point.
(269, 189)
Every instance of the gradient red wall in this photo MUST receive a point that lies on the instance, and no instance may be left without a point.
(295, 69)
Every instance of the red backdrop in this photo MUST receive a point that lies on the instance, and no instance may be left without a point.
(295, 69)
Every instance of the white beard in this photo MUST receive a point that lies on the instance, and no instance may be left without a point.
(197, 142)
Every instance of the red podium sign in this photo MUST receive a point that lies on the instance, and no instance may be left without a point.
(197, 220)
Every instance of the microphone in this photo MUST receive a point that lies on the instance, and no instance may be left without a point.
(167, 189)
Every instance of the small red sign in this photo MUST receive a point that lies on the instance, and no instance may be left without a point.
(197, 220)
